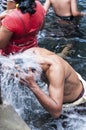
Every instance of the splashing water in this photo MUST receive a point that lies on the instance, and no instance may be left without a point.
(25, 102)
(13, 92)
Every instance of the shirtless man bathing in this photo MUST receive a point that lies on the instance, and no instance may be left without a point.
(65, 85)
(64, 8)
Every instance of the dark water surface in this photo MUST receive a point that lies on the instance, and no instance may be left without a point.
(55, 38)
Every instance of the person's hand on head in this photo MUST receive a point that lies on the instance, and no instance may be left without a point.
(28, 78)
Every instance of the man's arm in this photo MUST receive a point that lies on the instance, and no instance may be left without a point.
(52, 102)
(47, 5)
(74, 9)
(5, 36)
(4, 13)
(11, 4)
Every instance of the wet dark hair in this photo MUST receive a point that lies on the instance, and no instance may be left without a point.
(27, 6)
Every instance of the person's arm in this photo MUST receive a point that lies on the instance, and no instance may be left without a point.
(74, 9)
(52, 102)
(46, 5)
(5, 36)
(11, 4)
(4, 13)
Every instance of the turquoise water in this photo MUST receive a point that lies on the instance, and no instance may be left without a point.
(25, 103)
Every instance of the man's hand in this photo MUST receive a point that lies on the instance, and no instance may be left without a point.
(27, 78)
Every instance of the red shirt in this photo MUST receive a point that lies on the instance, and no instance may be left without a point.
(25, 28)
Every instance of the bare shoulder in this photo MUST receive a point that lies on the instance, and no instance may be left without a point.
(5, 31)
(37, 51)
(42, 51)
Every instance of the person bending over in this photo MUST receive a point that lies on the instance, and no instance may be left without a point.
(65, 86)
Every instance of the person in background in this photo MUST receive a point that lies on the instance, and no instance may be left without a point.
(66, 87)
(67, 16)
(8, 4)
(21, 32)
(11, 4)
(12, 48)
(65, 9)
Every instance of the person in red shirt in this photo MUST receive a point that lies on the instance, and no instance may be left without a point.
(20, 27)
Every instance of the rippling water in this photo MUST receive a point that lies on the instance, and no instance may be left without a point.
(25, 103)
(53, 38)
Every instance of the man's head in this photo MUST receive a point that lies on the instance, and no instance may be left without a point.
(28, 62)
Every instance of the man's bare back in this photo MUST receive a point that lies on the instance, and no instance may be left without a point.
(64, 84)
(61, 7)
(64, 7)
(66, 18)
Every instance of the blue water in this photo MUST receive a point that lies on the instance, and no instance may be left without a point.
(52, 38)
